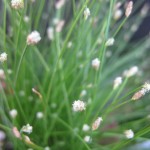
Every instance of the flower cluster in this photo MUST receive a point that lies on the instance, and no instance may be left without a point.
(97, 123)
(78, 105)
(3, 57)
(17, 4)
(145, 89)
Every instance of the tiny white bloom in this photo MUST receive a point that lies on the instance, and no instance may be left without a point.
(110, 42)
(97, 123)
(117, 82)
(3, 57)
(50, 33)
(86, 127)
(33, 38)
(96, 63)
(83, 93)
(129, 9)
(87, 139)
(129, 134)
(47, 148)
(59, 4)
(13, 113)
(60, 25)
(17, 4)
(26, 129)
(146, 86)
(39, 115)
(86, 13)
(118, 13)
(78, 105)
(69, 45)
(131, 72)
(26, 19)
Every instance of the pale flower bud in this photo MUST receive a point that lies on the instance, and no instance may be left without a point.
(3, 57)
(96, 63)
(131, 72)
(86, 13)
(2, 74)
(60, 25)
(110, 42)
(17, 4)
(13, 113)
(33, 38)
(117, 82)
(129, 9)
(117, 14)
(16, 132)
(39, 115)
(59, 4)
(87, 139)
(97, 123)
(50, 33)
(78, 105)
(129, 134)
(86, 127)
(26, 129)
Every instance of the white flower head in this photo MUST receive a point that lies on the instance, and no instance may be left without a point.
(50, 33)
(86, 127)
(86, 13)
(78, 105)
(131, 72)
(129, 134)
(83, 93)
(87, 139)
(146, 86)
(117, 82)
(96, 63)
(39, 115)
(129, 9)
(110, 42)
(26, 129)
(3, 57)
(97, 123)
(33, 38)
(17, 4)
(117, 14)
(59, 4)
(13, 113)
(60, 25)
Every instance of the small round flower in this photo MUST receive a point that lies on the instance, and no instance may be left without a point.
(96, 63)
(17, 4)
(13, 113)
(26, 129)
(86, 13)
(129, 134)
(3, 57)
(33, 38)
(117, 14)
(117, 82)
(131, 72)
(110, 42)
(87, 139)
(86, 127)
(97, 123)
(59, 4)
(78, 105)
(129, 9)
(39, 115)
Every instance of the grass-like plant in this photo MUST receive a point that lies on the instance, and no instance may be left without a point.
(70, 77)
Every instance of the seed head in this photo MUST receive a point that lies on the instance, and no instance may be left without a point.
(110, 42)
(129, 134)
(17, 4)
(78, 105)
(3, 57)
(97, 123)
(86, 13)
(33, 38)
(129, 8)
(96, 63)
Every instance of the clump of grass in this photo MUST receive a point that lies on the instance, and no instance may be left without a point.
(70, 77)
